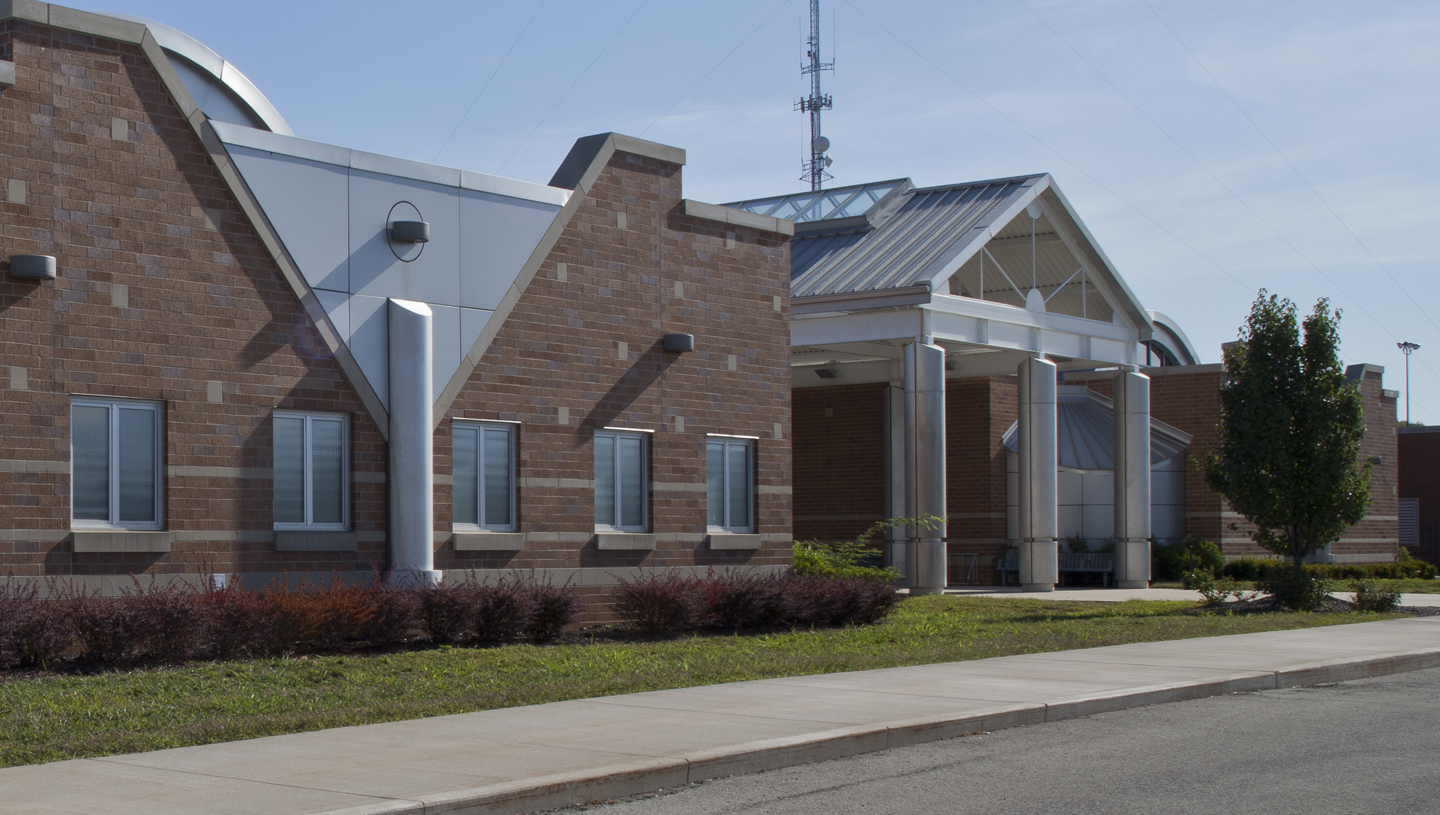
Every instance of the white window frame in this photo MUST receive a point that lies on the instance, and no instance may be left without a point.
(480, 427)
(749, 443)
(113, 459)
(644, 437)
(310, 417)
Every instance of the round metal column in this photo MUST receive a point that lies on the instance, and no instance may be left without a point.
(1039, 556)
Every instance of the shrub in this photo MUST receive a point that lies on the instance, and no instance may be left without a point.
(1303, 592)
(447, 610)
(501, 611)
(1370, 598)
(874, 601)
(394, 614)
(169, 625)
(1175, 560)
(659, 603)
(812, 600)
(33, 632)
(1214, 590)
(108, 628)
(552, 608)
(1250, 568)
(292, 619)
(235, 620)
(736, 600)
(839, 560)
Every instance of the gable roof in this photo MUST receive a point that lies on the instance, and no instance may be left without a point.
(918, 237)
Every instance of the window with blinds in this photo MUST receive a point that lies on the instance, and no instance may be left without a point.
(115, 478)
(730, 485)
(484, 476)
(312, 471)
(620, 486)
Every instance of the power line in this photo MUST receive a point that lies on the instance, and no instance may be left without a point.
(572, 86)
(518, 37)
(982, 100)
(716, 66)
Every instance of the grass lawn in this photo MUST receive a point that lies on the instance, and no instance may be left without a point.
(53, 717)
(1413, 586)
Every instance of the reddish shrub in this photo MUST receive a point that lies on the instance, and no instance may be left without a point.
(168, 622)
(660, 603)
(552, 608)
(737, 600)
(394, 614)
(236, 621)
(291, 619)
(33, 631)
(447, 609)
(109, 629)
(341, 613)
(501, 611)
(874, 600)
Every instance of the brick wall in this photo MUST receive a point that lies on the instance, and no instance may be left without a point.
(978, 411)
(1418, 477)
(150, 304)
(560, 349)
(839, 460)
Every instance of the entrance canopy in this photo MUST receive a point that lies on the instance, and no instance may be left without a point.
(992, 271)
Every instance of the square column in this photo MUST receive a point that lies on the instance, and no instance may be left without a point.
(1038, 523)
(925, 464)
(1132, 480)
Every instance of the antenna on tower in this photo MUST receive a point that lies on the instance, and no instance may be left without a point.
(815, 168)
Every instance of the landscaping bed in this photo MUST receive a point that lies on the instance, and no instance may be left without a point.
(48, 716)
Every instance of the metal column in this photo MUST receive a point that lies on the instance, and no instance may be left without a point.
(1132, 480)
(1039, 557)
(412, 449)
(925, 464)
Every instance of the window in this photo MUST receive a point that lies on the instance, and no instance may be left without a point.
(311, 471)
(729, 484)
(620, 481)
(115, 464)
(485, 476)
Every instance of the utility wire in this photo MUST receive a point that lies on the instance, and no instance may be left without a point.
(716, 66)
(518, 37)
(982, 100)
(572, 86)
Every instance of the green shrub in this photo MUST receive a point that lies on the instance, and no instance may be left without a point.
(1302, 592)
(1173, 562)
(1250, 568)
(856, 559)
(1370, 598)
(1215, 591)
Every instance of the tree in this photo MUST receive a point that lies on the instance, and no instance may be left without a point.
(1290, 429)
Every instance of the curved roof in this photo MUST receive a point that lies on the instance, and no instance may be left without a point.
(1169, 334)
(1085, 432)
(218, 87)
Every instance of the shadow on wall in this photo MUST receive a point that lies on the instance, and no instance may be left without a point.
(652, 364)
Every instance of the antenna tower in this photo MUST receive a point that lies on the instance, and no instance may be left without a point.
(815, 168)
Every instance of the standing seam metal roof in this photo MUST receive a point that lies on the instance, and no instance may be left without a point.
(912, 236)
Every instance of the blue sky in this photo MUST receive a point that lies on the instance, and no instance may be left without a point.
(1213, 148)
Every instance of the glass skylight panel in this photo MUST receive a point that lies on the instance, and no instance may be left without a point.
(760, 207)
(863, 201)
(825, 205)
(792, 205)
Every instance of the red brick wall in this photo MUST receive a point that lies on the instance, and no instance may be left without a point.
(559, 349)
(978, 411)
(1418, 477)
(1378, 535)
(203, 306)
(839, 460)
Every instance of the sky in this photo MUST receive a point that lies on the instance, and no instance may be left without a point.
(1212, 148)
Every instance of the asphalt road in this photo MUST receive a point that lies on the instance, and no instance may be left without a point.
(1357, 747)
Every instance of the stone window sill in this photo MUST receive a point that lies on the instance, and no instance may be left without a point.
(120, 540)
(480, 541)
(734, 540)
(623, 541)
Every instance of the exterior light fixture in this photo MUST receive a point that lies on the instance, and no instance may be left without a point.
(410, 231)
(679, 342)
(32, 267)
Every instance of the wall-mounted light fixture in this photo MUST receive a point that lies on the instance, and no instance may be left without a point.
(679, 342)
(410, 231)
(32, 267)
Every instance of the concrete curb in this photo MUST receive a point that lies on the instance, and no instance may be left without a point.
(652, 775)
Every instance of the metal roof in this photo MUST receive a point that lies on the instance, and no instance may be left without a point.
(1085, 432)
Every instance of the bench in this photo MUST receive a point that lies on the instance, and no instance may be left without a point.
(1102, 563)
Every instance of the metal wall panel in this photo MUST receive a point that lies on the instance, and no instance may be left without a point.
(433, 276)
(307, 202)
(369, 343)
(497, 236)
(447, 354)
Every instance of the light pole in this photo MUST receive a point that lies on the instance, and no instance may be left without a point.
(1407, 348)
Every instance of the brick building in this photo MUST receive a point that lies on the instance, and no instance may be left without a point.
(920, 315)
(249, 345)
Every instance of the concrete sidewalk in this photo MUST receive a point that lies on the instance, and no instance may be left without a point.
(1098, 595)
(531, 758)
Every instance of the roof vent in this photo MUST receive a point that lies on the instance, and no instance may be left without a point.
(679, 342)
(32, 267)
(827, 373)
(410, 231)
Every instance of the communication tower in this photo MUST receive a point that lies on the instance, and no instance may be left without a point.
(815, 170)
